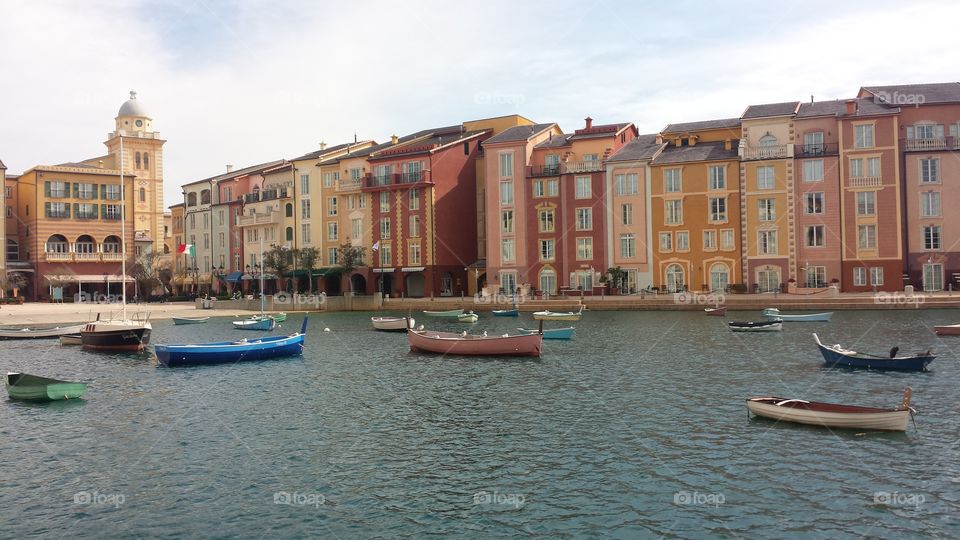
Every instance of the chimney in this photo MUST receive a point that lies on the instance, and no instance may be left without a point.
(727, 145)
(589, 122)
(100, 163)
(394, 139)
(323, 146)
(229, 168)
(851, 106)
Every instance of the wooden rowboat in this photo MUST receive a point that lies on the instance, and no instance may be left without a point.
(40, 333)
(947, 330)
(836, 355)
(34, 388)
(774, 313)
(469, 317)
(833, 415)
(265, 324)
(393, 324)
(773, 325)
(232, 351)
(553, 333)
(452, 313)
(558, 316)
(716, 311)
(474, 345)
(70, 339)
(190, 320)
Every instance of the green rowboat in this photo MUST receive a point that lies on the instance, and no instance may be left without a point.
(34, 388)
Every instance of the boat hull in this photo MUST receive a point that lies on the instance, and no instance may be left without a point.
(472, 345)
(106, 337)
(392, 324)
(40, 333)
(71, 339)
(468, 318)
(552, 333)
(266, 324)
(25, 387)
(843, 417)
(766, 326)
(716, 312)
(190, 320)
(555, 316)
(449, 313)
(808, 317)
(947, 330)
(835, 358)
(229, 352)
(506, 313)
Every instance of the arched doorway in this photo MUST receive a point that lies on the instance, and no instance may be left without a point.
(57, 243)
(548, 281)
(719, 277)
(85, 247)
(359, 283)
(416, 285)
(111, 244)
(331, 284)
(675, 279)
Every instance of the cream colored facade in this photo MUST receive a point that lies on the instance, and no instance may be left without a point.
(3, 223)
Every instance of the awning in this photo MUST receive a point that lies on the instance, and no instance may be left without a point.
(88, 278)
(383, 270)
(412, 269)
(317, 272)
(234, 276)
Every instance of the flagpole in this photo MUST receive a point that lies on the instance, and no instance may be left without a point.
(123, 236)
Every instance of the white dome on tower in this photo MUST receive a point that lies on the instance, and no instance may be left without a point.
(133, 107)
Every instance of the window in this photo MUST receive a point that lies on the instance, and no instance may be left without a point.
(508, 282)
(538, 188)
(414, 226)
(718, 209)
(547, 223)
(709, 240)
(57, 210)
(384, 201)
(220, 218)
(666, 242)
(876, 275)
(506, 221)
(385, 228)
(856, 168)
(8, 192)
(13, 250)
(584, 249)
(863, 136)
(626, 214)
(719, 277)
(860, 276)
(9, 211)
(193, 222)
(506, 193)
(815, 236)
(765, 178)
(813, 143)
(330, 178)
(413, 199)
(288, 234)
(57, 244)
(867, 236)
(146, 160)
(87, 191)
(112, 211)
(767, 209)
(205, 196)
(506, 165)
(332, 232)
(228, 194)
(726, 239)
(305, 233)
(86, 211)
(671, 180)
(356, 228)
(332, 256)
(583, 187)
(873, 166)
(553, 188)
(112, 193)
(673, 212)
(507, 252)
(866, 203)
(414, 254)
(717, 175)
(933, 277)
(331, 206)
(305, 208)
(143, 195)
(356, 174)
(304, 184)
(767, 243)
(816, 277)
(584, 219)
(930, 204)
(930, 170)
(683, 241)
(813, 202)
(136, 160)
(548, 281)
(626, 184)
(546, 250)
(628, 246)
(813, 170)
(931, 237)
(386, 257)
(58, 190)
(675, 281)
(551, 164)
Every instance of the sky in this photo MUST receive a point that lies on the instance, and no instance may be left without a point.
(246, 82)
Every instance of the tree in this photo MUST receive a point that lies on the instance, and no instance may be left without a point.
(279, 259)
(350, 258)
(147, 272)
(308, 261)
(13, 280)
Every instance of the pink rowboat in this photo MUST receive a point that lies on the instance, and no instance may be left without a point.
(716, 311)
(947, 330)
(474, 345)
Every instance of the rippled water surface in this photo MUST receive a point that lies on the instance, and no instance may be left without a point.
(637, 427)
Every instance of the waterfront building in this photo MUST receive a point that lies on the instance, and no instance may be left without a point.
(695, 207)
(7, 199)
(177, 238)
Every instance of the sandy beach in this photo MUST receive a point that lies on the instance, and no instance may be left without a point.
(40, 313)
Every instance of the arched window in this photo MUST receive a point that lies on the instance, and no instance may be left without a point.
(768, 140)
(548, 281)
(136, 159)
(146, 160)
(191, 199)
(143, 194)
(166, 249)
(57, 243)
(289, 210)
(111, 244)
(205, 196)
(289, 234)
(85, 244)
(675, 279)
(719, 277)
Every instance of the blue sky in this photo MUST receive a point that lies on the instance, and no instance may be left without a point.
(252, 81)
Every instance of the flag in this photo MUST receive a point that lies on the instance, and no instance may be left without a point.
(376, 246)
(187, 249)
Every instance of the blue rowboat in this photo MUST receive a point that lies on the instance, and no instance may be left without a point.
(837, 356)
(232, 351)
(553, 333)
(506, 312)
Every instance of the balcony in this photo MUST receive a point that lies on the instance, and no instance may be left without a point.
(816, 150)
(583, 166)
(774, 151)
(270, 218)
(271, 194)
(58, 256)
(866, 181)
(112, 256)
(931, 144)
(538, 171)
(88, 256)
(349, 185)
(394, 179)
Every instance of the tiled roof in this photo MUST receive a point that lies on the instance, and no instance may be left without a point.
(710, 151)
(838, 108)
(643, 147)
(518, 133)
(911, 94)
(602, 130)
(434, 140)
(555, 141)
(77, 165)
(725, 123)
(328, 150)
(241, 172)
(770, 109)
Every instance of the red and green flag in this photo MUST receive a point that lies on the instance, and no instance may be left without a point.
(187, 249)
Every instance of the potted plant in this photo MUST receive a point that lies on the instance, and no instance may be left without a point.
(792, 286)
(738, 288)
(615, 277)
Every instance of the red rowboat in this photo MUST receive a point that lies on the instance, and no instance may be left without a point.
(716, 311)
(947, 330)
(474, 345)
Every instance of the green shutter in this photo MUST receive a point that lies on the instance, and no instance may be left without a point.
(67, 208)
(94, 191)
(103, 191)
(76, 190)
(103, 211)
(46, 208)
(76, 209)
(95, 210)
(46, 188)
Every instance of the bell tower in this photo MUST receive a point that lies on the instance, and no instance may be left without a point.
(142, 159)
